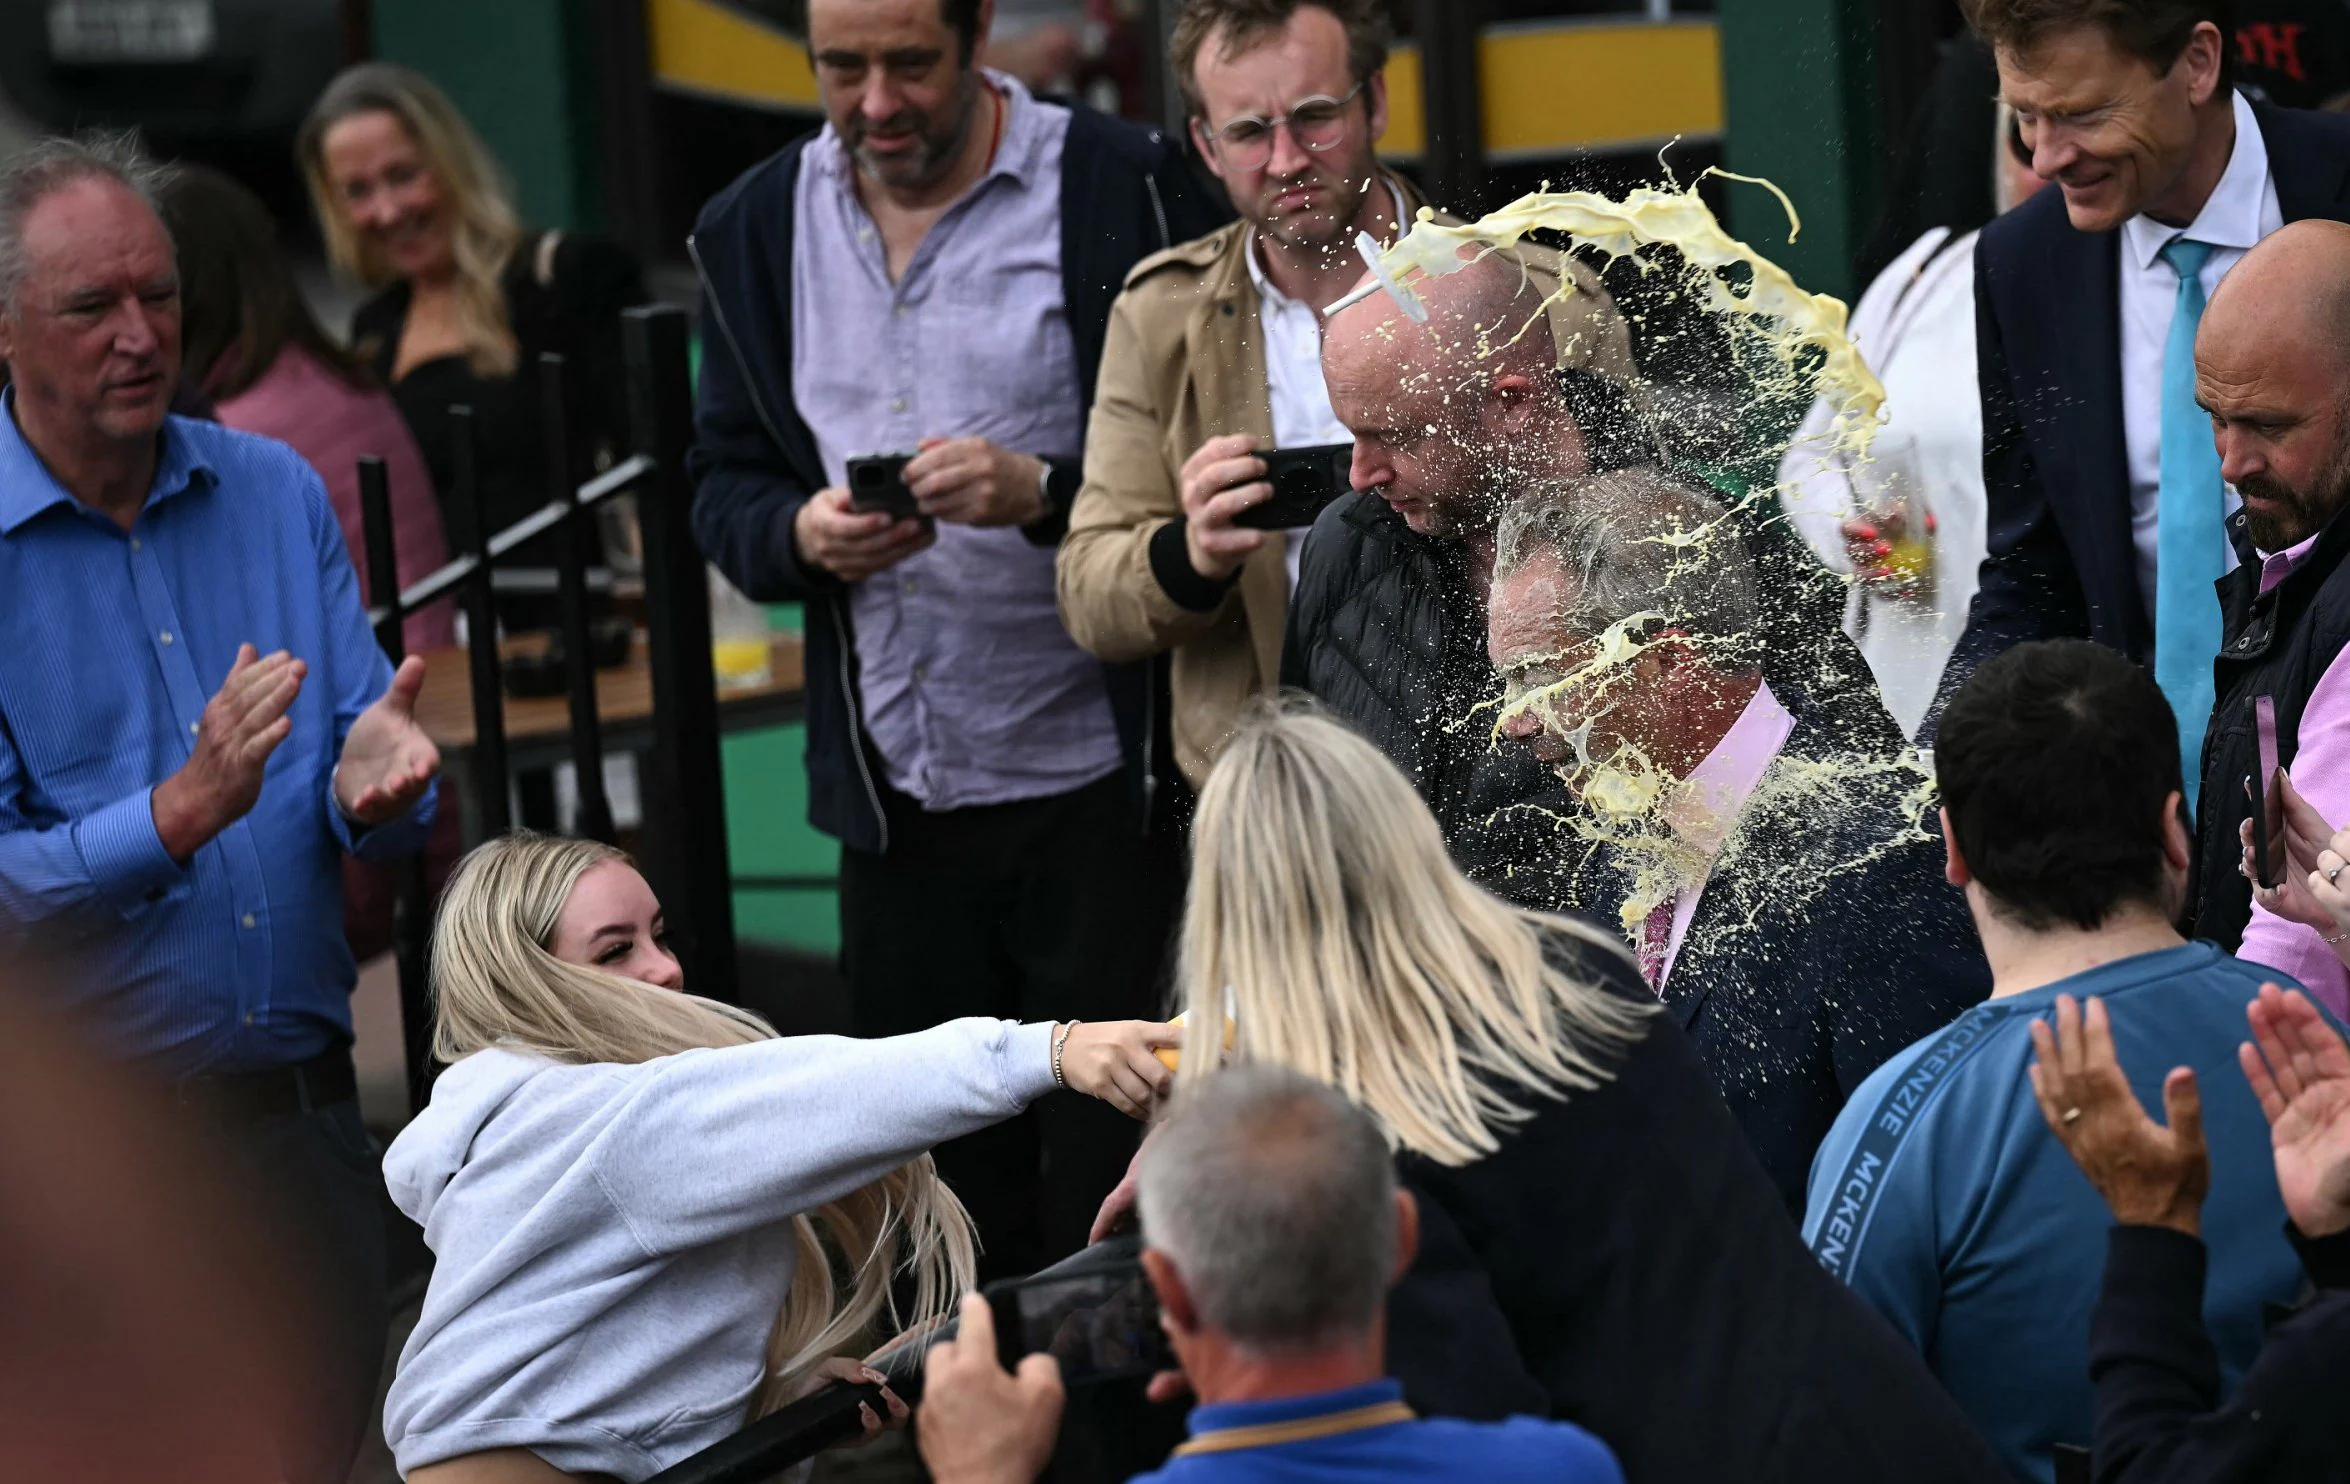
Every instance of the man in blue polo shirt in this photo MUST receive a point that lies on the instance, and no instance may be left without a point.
(1939, 1194)
(1274, 1229)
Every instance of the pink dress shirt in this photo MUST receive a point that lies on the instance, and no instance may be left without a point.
(1705, 810)
(2321, 771)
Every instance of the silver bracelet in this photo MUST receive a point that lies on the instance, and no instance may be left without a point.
(2335, 939)
(1059, 1042)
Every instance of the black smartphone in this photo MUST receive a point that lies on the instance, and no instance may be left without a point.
(877, 481)
(1304, 480)
(1101, 1324)
(2268, 803)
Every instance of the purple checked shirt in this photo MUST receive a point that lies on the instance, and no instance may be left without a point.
(973, 692)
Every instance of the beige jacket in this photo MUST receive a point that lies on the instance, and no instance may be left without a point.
(1183, 362)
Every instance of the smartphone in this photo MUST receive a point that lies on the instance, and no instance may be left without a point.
(2268, 803)
(1304, 480)
(1101, 1323)
(877, 481)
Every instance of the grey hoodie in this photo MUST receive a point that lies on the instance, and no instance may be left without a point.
(610, 1242)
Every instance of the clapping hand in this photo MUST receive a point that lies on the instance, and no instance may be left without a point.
(2300, 1071)
(242, 725)
(387, 761)
(2149, 1175)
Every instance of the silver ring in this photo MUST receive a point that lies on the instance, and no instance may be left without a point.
(2072, 1116)
(2335, 872)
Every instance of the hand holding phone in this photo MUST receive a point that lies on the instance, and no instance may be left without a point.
(1101, 1323)
(1304, 480)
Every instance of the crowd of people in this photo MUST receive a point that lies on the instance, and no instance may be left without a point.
(1638, 1020)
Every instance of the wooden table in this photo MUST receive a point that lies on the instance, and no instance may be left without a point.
(538, 728)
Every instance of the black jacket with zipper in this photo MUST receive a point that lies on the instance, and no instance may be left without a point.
(1126, 192)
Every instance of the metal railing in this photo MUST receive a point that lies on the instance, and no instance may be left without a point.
(684, 795)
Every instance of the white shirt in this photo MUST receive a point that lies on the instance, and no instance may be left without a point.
(1916, 327)
(2242, 210)
(1293, 372)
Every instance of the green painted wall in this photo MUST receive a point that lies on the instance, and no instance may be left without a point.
(523, 72)
(1798, 84)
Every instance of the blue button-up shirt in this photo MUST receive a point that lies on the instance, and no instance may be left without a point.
(111, 643)
(972, 691)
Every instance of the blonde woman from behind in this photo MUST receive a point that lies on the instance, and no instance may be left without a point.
(638, 1200)
(1597, 1240)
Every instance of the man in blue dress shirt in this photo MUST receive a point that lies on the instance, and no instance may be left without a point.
(195, 724)
(1274, 1228)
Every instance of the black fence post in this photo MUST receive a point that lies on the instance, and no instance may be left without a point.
(490, 781)
(571, 547)
(686, 791)
(1455, 155)
(410, 909)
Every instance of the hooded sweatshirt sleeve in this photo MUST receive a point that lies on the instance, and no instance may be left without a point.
(709, 1144)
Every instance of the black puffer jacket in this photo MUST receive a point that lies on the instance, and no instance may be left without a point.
(1386, 631)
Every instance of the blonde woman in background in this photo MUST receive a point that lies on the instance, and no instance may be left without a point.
(637, 1200)
(1598, 1242)
(411, 203)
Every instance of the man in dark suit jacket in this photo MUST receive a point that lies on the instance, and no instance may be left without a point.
(1765, 853)
(2076, 294)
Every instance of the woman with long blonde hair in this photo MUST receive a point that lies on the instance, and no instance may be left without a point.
(412, 204)
(1598, 1241)
(654, 1220)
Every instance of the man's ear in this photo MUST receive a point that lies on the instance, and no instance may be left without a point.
(1954, 866)
(2177, 845)
(1375, 106)
(2201, 57)
(1513, 391)
(1407, 1235)
(1175, 1304)
(1200, 141)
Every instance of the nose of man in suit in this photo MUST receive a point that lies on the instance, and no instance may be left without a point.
(2271, 359)
(2119, 133)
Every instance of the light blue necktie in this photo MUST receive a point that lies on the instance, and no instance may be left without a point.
(2190, 530)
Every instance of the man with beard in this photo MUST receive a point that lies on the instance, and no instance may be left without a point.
(2272, 364)
(1214, 355)
(1387, 628)
(931, 273)
(1763, 855)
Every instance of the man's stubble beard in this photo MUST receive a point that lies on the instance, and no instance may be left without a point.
(2309, 515)
(1331, 239)
(938, 156)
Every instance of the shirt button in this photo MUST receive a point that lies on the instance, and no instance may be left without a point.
(909, 584)
(195, 726)
(921, 672)
(165, 636)
(248, 1017)
(899, 310)
(250, 921)
(897, 404)
(135, 544)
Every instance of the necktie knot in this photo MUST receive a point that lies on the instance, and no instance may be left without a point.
(2186, 257)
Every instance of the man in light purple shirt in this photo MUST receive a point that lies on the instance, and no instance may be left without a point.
(931, 275)
(2272, 356)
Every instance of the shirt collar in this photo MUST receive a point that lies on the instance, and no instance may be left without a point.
(1705, 808)
(2276, 566)
(27, 488)
(1272, 296)
(1017, 154)
(2231, 217)
(1224, 1416)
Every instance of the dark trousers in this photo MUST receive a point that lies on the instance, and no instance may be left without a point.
(1045, 909)
(320, 1188)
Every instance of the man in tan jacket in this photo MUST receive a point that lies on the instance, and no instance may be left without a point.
(1214, 353)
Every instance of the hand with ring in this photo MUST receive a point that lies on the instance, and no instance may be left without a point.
(2149, 1174)
(2308, 864)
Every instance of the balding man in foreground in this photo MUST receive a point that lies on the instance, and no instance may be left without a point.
(1387, 627)
(2272, 367)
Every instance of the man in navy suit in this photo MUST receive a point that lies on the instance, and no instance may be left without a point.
(2108, 518)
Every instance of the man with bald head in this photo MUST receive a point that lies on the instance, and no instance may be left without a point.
(1496, 390)
(2272, 367)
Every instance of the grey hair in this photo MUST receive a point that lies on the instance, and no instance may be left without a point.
(47, 166)
(1274, 1197)
(1635, 541)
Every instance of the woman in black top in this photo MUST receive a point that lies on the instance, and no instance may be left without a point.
(410, 201)
(1598, 1242)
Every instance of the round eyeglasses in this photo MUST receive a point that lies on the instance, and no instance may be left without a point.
(1246, 143)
